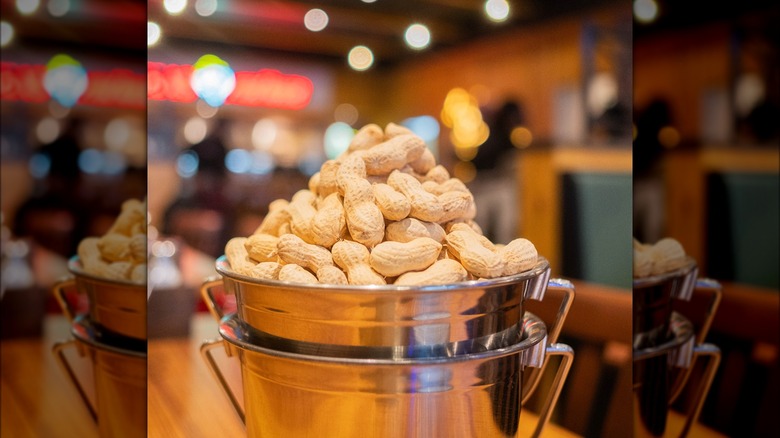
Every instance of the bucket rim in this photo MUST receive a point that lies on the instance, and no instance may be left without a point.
(233, 331)
(683, 332)
(76, 268)
(690, 267)
(541, 267)
(85, 332)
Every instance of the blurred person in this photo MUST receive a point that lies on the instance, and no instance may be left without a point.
(494, 186)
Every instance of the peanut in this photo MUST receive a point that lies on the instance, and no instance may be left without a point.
(395, 258)
(424, 206)
(456, 205)
(292, 249)
(393, 205)
(113, 271)
(237, 256)
(438, 174)
(352, 168)
(261, 247)
(268, 270)
(668, 255)
(353, 257)
(425, 163)
(393, 154)
(452, 184)
(277, 215)
(328, 182)
(474, 254)
(410, 228)
(138, 274)
(394, 130)
(331, 275)
(293, 273)
(314, 183)
(463, 224)
(519, 255)
(138, 247)
(133, 212)
(114, 247)
(444, 271)
(329, 222)
(88, 250)
(366, 137)
(302, 212)
(364, 218)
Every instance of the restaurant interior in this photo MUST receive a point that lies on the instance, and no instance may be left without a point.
(576, 125)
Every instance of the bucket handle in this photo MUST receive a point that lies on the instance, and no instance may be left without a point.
(533, 375)
(205, 351)
(567, 356)
(59, 290)
(712, 354)
(206, 291)
(58, 351)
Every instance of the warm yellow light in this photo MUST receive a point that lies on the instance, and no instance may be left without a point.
(669, 137)
(360, 58)
(464, 171)
(521, 137)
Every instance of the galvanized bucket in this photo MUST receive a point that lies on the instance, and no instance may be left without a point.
(348, 391)
(383, 316)
(119, 408)
(115, 307)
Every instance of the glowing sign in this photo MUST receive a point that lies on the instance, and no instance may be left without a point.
(265, 87)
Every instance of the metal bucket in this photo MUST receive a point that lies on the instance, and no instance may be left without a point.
(653, 298)
(660, 373)
(119, 408)
(117, 308)
(381, 315)
(348, 391)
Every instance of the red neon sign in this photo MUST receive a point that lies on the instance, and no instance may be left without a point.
(117, 88)
(266, 87)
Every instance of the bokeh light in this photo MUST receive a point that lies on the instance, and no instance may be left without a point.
(47, 130)
(39, 165)
(58, 8)
(748, 93)
(426, 127)
(153, 33)
(205, 8)
(337, 138)
(645, 11)
(347, 113)
(195, 130)
(497, 10)
(27, 7)
(315, 20)
(669, 137)
(461, 113)
(116, 134)
(417, 36)
(264, 134)
(175, 7)
(187, 164)
(65, 80)
(360, 58)
(464, 171)
(6, 33)
(212, 79)
(90, 161)
(521, 137)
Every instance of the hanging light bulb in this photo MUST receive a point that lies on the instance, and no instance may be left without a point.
(65, 80)
(212, 80)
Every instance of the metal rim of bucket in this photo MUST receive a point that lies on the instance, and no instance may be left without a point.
(76, 268)
(84, 331)
(534, 332)
(542, 266)
(683, 332)
(689, 268)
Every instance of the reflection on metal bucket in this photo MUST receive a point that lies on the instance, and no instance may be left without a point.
(119, 378)
(117, 307)
(301, 395)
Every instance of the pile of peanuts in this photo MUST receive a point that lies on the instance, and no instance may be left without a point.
(121, 253)
(383, 212)
(666, 255)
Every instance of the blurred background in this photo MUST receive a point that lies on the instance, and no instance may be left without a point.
(527, 102)
(706, 106)
(73, 133)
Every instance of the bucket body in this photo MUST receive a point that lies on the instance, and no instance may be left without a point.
(119, 374)
(384, 316)
(326, 395)
(117, 308)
